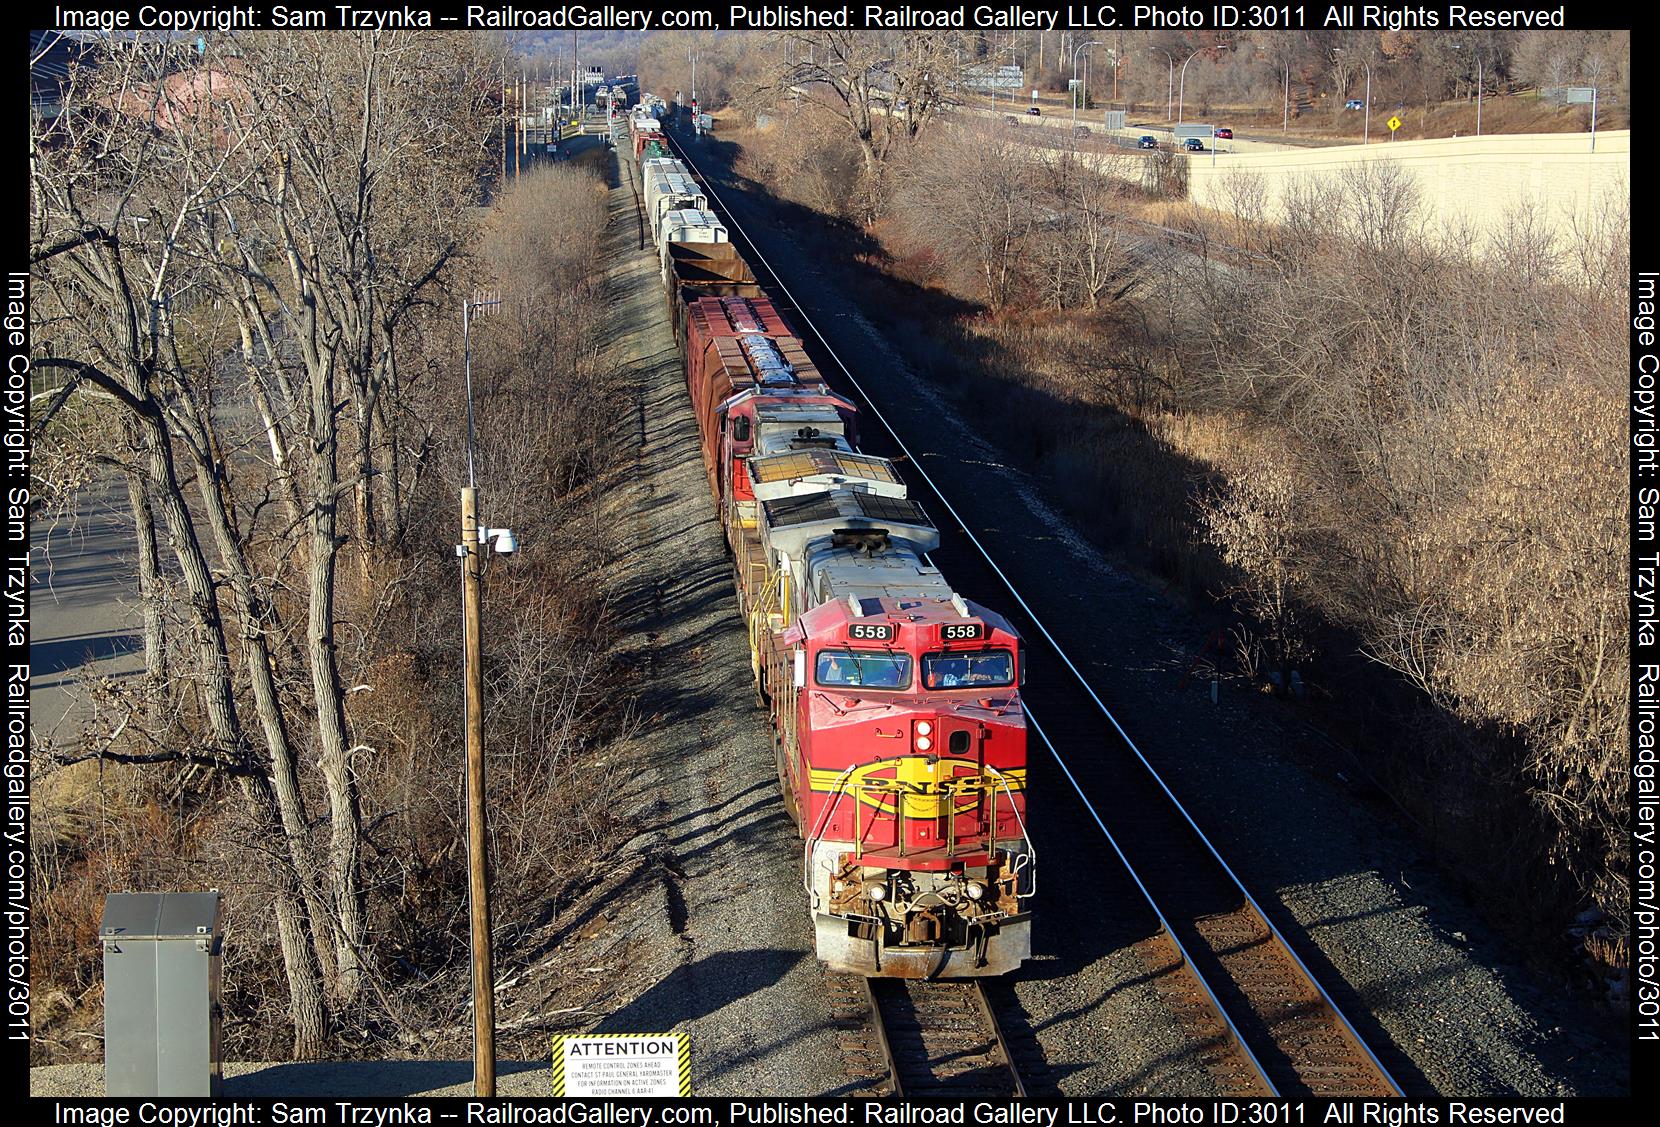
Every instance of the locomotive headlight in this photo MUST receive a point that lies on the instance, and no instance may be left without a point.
(877, 891)
(923, 743)
(923, 728)
(974, 889)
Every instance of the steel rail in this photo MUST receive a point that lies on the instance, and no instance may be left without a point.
(990, 1033)
(998, 1038)
(895, 1085)
(916, 463)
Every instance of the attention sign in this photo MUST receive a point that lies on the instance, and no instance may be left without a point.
(622, 1064)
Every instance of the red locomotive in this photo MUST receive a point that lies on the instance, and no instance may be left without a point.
(897, 722)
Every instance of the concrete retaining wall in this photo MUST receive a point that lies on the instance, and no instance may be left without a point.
(1480, 180)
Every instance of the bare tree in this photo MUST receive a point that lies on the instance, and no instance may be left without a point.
(989, 182)
(886, 88)
(292, 204)
(90, 180)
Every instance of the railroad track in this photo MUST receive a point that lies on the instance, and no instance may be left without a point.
(942, 1039)
(1284, 1035)
(928, 1039)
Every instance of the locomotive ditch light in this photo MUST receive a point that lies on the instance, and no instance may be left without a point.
(974, 889)
(877, 891)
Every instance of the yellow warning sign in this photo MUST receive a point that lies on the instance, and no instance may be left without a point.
(1394, 123)
(622, 1064)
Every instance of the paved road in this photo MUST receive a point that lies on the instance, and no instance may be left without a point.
(83, 580)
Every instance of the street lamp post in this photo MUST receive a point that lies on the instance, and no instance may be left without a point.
(997, 54)
(1073, 89)
(1181, 84)
(1170, 83)
(1366, 123)
(1285, 126)
(1479, 84)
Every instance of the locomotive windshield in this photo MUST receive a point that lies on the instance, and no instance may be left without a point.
(988, 669)
(863, 669)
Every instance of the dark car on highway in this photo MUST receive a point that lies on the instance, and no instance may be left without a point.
(1225, 134)
(1034, 112)
(1194, 145)
(1147, 141)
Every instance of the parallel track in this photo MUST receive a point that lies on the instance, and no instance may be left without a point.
(1278, 1017)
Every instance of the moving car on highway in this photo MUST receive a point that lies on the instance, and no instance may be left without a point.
(1194, 145)
(1147, 141)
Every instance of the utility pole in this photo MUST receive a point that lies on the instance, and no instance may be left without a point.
(478, 889)
(478, 894)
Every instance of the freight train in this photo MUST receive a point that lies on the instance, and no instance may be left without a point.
(897, 722)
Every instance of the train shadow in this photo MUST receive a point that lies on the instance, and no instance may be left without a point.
(698, 989)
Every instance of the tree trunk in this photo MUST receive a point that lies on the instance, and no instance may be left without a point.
(345, 817)
(305, 992)
(256, 655)
(149, 587)
(368, 394)
(220, 705)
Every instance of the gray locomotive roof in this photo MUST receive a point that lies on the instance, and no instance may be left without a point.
(794, 522)
(838, 573)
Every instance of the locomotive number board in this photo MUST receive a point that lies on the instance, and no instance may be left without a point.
(870, 631)
(962, 632)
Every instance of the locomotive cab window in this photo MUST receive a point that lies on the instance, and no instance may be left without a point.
(987, 669)
(863, 669)
(740, 429)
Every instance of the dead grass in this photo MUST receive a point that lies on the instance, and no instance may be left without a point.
(1331, 124)
(1144, 415)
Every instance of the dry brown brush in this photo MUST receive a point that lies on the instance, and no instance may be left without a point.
(249, 266)
(1398, 460)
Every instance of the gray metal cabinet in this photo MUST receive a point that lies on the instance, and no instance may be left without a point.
(161, 993)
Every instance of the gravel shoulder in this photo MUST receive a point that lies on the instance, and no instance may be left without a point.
(730, 959)
(1385, 931)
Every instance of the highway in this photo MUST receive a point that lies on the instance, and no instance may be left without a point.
(83, 588)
